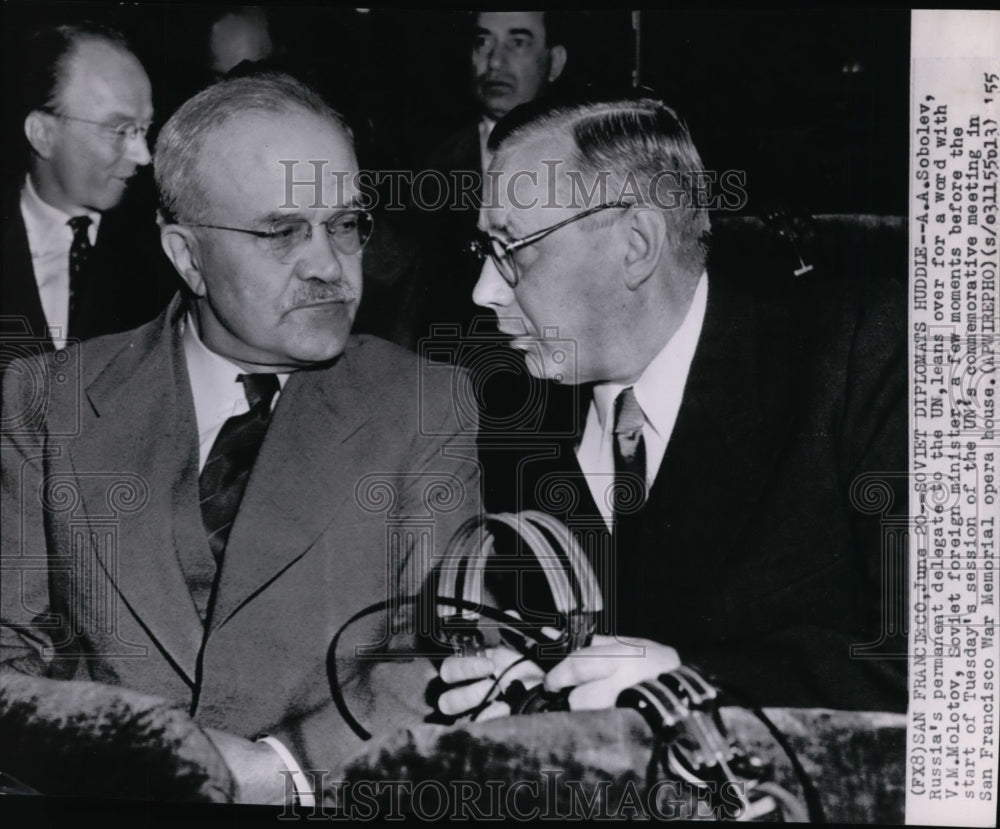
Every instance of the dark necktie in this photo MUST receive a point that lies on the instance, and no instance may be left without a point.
(79, 253)
(630, 454)
(227, 469)
(625, 600)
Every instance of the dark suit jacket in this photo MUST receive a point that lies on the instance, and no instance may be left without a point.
(130, 280)
(759, 553)
(350, 496)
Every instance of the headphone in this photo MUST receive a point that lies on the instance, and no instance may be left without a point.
(680, 706)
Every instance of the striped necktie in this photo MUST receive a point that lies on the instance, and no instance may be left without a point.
(629, 454)
(227, 469)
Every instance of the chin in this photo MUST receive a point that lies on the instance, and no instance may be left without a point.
(319, 352)
(542, 369)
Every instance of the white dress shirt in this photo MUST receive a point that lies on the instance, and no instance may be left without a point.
(486, 126)
(218, 395)
(49, 241)
(659, 391)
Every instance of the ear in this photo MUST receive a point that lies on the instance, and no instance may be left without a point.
(647, 238)
(557, 62)
(181, 247)
(39, 129)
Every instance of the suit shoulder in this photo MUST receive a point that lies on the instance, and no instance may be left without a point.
(394, 362)
(874, 307)
(96, 353)
(400, 374)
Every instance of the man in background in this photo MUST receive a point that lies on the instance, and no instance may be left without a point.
(514, 58)
(78, 262)
(259, 487)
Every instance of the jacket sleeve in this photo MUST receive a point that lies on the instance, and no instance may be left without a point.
(434, 493)
(28, 628)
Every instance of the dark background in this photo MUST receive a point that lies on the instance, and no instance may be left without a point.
(812, 104)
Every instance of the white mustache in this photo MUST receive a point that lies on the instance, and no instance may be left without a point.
(338, 292)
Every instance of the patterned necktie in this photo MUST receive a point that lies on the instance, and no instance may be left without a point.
(227, 469)
(629, 453)
(79, 253)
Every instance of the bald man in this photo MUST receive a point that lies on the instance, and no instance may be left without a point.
(77, 262)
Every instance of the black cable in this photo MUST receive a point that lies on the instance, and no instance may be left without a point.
(813, 803)
(526, 629)
(496, 683)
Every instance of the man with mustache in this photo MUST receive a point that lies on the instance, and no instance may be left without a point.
(265, 475)
(77, 263)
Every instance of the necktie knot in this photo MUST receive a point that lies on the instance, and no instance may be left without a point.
(629, 419)
(80, 225)
(629, 454)
(259, 389)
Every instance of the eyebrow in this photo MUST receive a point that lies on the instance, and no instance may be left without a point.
(279, 216)
(121, 117)
(527, 32)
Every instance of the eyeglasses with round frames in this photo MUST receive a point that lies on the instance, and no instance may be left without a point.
(502, 252)
(120, 133)
(348, 232)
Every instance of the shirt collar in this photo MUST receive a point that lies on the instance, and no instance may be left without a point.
(661, 384)
(217, 393)
(486, 125)
(49, 225)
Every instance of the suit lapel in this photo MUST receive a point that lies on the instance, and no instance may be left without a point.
(298, 483)
(728, 428)
(141, 428)
(20, 289)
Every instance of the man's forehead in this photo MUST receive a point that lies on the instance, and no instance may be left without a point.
(105, 77)
(501, 23)
(532, 170)
(292, 162)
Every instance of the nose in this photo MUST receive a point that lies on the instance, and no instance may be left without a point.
(495, 56)
(137, 151)
(492, 290)
(319, 259)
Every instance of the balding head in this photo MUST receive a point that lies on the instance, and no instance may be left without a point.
(638, 150)
(88, 112)
(597, 236)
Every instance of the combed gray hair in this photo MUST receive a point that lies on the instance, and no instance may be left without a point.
(178, 147)
(636, 143)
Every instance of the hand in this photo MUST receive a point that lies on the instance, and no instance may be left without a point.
(485, 669)
(606, 667)
(256, 768)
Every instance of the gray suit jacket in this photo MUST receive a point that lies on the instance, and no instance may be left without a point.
(358, 484)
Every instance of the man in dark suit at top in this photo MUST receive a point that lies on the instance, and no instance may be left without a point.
(73, 264)
(238, 488)
(714, 458)
(514, 58)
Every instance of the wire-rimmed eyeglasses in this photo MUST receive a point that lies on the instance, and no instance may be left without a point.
(347, 232)
(120, 133)
(502, 252)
